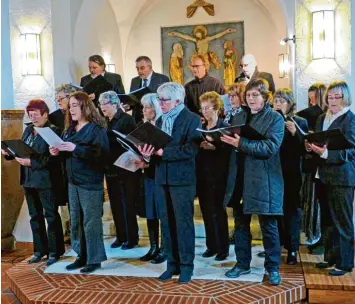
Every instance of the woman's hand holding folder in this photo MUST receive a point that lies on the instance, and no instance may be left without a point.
(230, 140)
(24, 161)
(3, 152)
(148, 150)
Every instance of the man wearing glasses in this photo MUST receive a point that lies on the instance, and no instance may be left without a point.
(201, 84)
(249, 68)
(146, 78)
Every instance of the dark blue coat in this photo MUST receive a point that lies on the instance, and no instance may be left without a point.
(339, 168)
(263, 182)
(177, 165)
(86, 164)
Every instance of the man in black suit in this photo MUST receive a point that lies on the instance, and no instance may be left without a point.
(249, 68)
(146, 78)
(97, 67)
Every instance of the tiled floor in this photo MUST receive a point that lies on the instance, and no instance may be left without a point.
(33, 286)
(8, 260)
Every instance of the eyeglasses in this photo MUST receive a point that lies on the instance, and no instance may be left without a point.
(196, 66)
(336, 97)
(252, 95)
(279, 100)
(60, 98)
(232, 96)
(244, 65)
(147, 107)
(205, 109)
(162, 100)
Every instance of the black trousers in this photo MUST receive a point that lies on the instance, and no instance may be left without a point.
(243, 238)
(41, 206)
(176, 212)
(124, 195)
(214, 217)
(337, 224)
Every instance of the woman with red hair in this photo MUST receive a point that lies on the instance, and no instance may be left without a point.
(43, 184)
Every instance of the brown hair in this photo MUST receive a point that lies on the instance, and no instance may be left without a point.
(88, 110)
(262, 86)
(214, 98)
(37, 104)
(98, 59)
(238, 88)
(319, 88)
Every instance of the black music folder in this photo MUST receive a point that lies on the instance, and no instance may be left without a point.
(98, 86)
(216, 134)
(133, 98)
(17, 148)
(147, 133)
(311, 114)
(334, 139)
(250, 133)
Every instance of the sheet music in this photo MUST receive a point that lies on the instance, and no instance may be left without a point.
(127, 161)
(50, 137)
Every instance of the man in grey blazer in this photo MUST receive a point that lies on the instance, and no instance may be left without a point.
(146, 78)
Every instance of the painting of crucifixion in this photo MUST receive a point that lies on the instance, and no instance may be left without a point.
(221, 45)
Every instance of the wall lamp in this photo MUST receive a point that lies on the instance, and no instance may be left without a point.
(323, 34)
(284, 65)
(285, 40)
(31, 54)
(111, 68)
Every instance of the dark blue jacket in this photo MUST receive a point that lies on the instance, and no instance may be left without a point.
(86, 164)
(263, 182)
(177, 165)
(339, 168)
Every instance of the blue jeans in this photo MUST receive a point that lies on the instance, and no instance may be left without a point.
(86, 224)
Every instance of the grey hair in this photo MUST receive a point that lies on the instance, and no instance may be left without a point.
(173, 90)
(109, 97)
(65, 88)
(151, 100)
(288, 96)
(343, 86)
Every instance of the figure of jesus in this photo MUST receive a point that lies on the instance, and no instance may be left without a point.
(202, 40)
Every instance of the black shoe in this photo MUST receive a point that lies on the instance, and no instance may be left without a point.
(209, 253)
(274, 278)
(221, 256)
(52, 260)
(35, 259)
(116, 244)
(185, 278)
(324, 265)
(236, 272)
(167, 275)
(78, 263)
(90, 268)
(261, 254)
(128, 245)
(291, 258)
(338, 272)
(151, 254)
(160, 258)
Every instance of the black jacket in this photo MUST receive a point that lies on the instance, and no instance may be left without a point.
(291, 152)
(136, 83)
(114, 79)
(339, 168)
(86, 164)
(212, 165)
(43, 172)
(124, 124)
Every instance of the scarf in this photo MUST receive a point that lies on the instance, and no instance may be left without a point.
(231, 113)
(169, 118)
(329, 117)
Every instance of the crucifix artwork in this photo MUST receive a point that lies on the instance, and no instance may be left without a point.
(191, 9)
